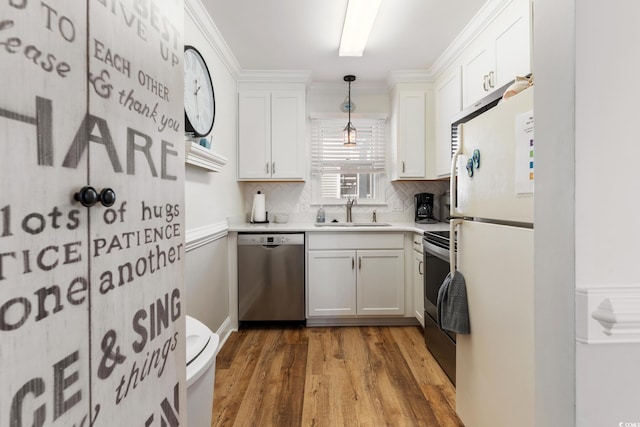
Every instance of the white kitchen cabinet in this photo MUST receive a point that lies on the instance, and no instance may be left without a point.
(410, 134)
(448, 100)
(332, 283)
(418, 279)
(346, 277)
(500, 54)
(271, 134)
(380, 282)
(363, 282)
(410, 137)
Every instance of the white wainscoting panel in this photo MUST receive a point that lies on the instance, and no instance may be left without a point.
(608, 315)
(201, 236)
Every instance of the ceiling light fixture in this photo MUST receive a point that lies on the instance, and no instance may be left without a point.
(357, 25)
(349, 139)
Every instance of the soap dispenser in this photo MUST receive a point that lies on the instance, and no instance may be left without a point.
(320, 214)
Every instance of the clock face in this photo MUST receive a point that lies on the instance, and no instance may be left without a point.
(199, 99)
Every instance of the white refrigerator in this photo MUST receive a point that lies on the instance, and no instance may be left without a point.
(492, 198)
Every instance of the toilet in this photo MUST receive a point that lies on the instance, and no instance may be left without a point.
(202, 346)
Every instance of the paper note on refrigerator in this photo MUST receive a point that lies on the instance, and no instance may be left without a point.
(524, 153)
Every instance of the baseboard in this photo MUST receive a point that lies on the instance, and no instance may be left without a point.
(362, 321)
(224, 332)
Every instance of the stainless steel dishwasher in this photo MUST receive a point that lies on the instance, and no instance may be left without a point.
(271, 277)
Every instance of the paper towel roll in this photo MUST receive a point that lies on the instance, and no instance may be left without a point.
(258, 210)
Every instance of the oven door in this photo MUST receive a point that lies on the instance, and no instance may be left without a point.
(436, 263)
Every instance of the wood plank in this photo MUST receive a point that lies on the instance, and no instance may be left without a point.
(337, 376)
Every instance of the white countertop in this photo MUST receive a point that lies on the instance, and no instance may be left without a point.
(273, 227)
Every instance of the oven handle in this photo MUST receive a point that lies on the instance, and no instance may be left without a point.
(452, 250)
(434, 250)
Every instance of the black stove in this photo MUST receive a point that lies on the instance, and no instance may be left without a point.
(438, 238)
(441, 344)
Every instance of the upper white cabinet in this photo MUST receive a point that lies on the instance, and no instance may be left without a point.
(502, 52)
(271, 134)
(410, 133)
(448, 100)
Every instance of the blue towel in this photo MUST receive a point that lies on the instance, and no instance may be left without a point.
(453, 311)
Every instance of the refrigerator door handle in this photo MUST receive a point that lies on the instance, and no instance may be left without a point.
(452, 246)
(453, 182)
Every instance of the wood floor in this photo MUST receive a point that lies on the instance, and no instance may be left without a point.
(338, 376)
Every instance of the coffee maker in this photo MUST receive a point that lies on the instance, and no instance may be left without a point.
(424, 208)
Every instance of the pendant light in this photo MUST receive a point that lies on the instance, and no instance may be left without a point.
(350, 130)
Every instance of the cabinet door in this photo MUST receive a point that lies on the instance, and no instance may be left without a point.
(512, 44)
(254, 135)
(331, 278)
(476, 69)
(418, 286)
(287, 134)
(448, 104)
(380, 282)
(411, 134)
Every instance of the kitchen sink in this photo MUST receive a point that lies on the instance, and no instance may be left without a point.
(352, 224)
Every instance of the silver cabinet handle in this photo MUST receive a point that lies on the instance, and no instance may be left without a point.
(359, 263)
(353, 263)
(403, 166)
(273, 167)
(267, 167)
(491, 79)
(420, 268)
(485, 83)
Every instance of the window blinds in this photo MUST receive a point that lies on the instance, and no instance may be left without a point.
(329, 155)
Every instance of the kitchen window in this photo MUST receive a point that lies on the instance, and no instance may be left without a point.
(339, 172)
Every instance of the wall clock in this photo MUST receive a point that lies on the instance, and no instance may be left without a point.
(199, 98)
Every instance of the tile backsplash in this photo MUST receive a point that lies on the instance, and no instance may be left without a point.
(294, 198)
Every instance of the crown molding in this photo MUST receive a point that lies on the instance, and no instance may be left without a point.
(409, 76)
(341, 87)
(485, 16)
(199, 14)
(275, 76)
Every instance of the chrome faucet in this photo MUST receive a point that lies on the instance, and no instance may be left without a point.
(350, 203)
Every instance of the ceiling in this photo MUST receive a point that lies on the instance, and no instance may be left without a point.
(305, 35)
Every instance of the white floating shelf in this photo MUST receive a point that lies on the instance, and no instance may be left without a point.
(200, 156)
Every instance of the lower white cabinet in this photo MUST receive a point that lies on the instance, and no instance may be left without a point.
(380, 284)
(354, 282)
(332, 283)
(418, 287)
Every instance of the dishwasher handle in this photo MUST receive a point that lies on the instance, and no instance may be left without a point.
(270, 246)
(269, 240)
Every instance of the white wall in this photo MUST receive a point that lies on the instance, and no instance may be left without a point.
(554, 71)
(586, 185)
(295, 198)
(606, 152)
(211, 197)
